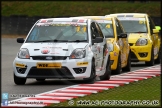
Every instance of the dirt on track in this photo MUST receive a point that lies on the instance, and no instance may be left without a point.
(13, 36)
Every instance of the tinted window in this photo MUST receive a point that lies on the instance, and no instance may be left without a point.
(118, 28)
(134, 25)
(106, 28)
(58, 31)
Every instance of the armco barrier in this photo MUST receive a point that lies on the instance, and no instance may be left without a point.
(20, 25)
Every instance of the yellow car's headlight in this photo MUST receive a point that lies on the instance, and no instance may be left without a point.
(141, 42)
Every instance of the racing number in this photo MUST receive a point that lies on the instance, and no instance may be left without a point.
(141, 22)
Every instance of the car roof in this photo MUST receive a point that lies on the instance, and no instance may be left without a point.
(80, 20)
(95, 17)
(127, 15)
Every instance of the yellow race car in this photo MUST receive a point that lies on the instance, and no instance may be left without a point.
(143, 37)
(117, 42)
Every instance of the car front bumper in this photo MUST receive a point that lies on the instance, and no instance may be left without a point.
(70, 69)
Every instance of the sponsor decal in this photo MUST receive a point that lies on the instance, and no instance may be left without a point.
(82, 63)
(43, 21)
(48, 65)
(48, 58)
(98, 48)
(45, 51)
(81, 20)
(20, 65)
(106, 51)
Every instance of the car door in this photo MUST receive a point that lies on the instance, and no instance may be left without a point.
(103, 49)
(121, 42)
(94, 46)
(154, 37)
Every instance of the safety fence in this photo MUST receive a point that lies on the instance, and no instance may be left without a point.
(20, 25)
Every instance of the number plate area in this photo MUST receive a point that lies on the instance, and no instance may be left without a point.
(48, 65)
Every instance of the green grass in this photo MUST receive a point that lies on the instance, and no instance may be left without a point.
(77, 8)
(149, 89)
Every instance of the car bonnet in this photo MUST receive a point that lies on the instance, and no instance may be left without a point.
(58, 49)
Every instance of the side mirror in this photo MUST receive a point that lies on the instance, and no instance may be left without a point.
(158, 28)
(97, 40)
(20, 40)
(122, 35)
(155, 30)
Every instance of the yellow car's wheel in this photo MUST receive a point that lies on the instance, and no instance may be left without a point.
(151, 62)
(118, 69)
(128, 66)
(158, 60)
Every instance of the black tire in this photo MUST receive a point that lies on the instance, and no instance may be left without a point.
(107, 73)
(92, 77)
(151, 62)
(128, 66)
(40, 79)
(118, 69)
(19, 81)
(158, 60)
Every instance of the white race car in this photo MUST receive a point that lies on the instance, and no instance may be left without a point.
(63, 48)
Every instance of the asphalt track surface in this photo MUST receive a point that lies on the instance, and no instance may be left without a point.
(9, 49)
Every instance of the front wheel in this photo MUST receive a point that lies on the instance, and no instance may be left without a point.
(158, 60)
(92, 77)
(107, 73)
(118, 69)
(151, 62)
(19, 81)
(128, 66)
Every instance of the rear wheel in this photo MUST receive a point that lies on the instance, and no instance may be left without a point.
(92, 77)
(19, 81)
(128, 66)
(40, 79)
(107, 73)
(151, 62)
(118, 69)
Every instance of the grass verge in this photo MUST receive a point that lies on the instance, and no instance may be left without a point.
(77, 8)
(145, 91)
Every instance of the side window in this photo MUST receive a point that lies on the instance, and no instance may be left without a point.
(99, 31)
(118, 28)
(151, 24)
(94, 31)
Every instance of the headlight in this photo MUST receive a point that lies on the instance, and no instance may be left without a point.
(141, 42)
(110, 47)
(78, 54)
(24, 54)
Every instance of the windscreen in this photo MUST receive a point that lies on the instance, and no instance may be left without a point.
(133, 25)
(58, 32)
(106, 28)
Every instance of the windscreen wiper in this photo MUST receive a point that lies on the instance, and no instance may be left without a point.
(55, 40)
(137, 32)
(79, 41)
(44, 41)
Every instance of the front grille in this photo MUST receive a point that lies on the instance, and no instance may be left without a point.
(131, 44)
(63, 72)
(49, 57)
(133, 57)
